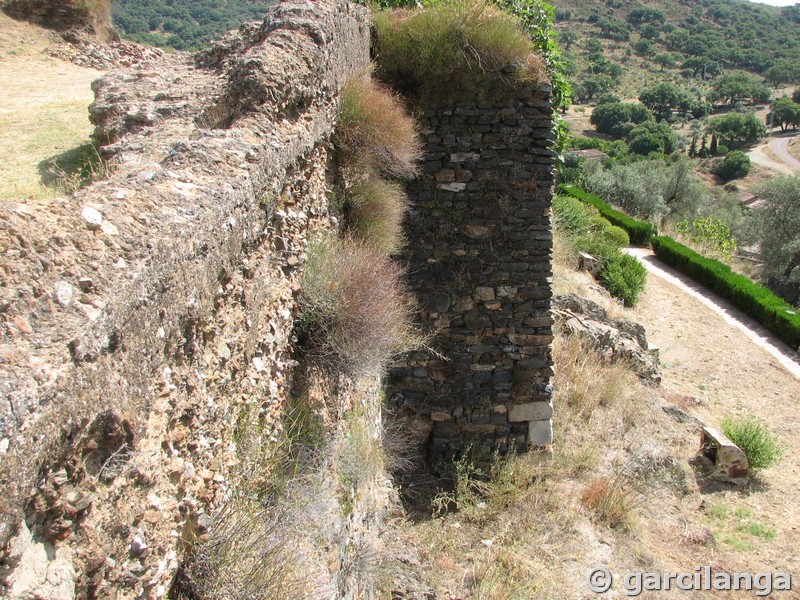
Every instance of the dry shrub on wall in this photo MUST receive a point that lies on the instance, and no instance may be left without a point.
(355, 313)
(453, 48)
(374, 211)
(374, 133)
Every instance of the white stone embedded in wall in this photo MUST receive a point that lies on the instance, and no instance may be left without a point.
(532, 411)
(540, 433)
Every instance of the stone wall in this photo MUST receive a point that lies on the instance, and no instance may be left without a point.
(143, 314)
(479, 252)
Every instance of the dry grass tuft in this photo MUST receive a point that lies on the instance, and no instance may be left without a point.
(584, 387)
(249, 553)
(374, 210)
(356, 314)
(612, 499)
(375, 134)
(253, 546)
(72, 170)
(453, 48)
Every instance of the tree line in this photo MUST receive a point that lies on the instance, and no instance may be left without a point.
(183, 24)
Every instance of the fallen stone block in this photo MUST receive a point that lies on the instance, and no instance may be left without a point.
(587, 262)
(729, 461)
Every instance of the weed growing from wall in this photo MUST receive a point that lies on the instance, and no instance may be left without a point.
(374, 133)
(355, 312)
(373, 213)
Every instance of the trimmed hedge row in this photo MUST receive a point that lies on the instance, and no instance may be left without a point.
(755, 300)
(640, 232)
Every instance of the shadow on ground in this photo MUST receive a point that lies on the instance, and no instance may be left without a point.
(72, 169)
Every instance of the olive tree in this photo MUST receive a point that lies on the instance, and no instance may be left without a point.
(779, 218)
(648, 188)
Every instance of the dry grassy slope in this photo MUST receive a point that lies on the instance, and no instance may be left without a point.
(530, 534)
(43, 107)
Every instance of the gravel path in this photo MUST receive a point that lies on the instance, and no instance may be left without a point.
(780, 147)
(757, 334)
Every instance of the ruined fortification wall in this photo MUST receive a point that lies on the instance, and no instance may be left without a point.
(88, 15)
(148, 319)
(144, 313)
(479, 262)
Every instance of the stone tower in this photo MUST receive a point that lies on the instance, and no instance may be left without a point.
(479, 257)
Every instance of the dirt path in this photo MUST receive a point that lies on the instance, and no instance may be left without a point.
(757, 334)
(780, 147)
(711, 368)
(786, 163)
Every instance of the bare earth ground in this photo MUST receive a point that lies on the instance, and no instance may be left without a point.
(43, 107)
(577, 117)
(714, 370)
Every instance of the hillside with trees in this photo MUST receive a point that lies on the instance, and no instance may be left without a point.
(183, 24)
(678, 93)
(702, 38)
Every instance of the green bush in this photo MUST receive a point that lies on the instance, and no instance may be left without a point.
(570, 215)
(617, 235)
(597, 245)
(755, 439)
(755, 300)
(639, 231)
(736, 164)
(451, 48)
(624, 277)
